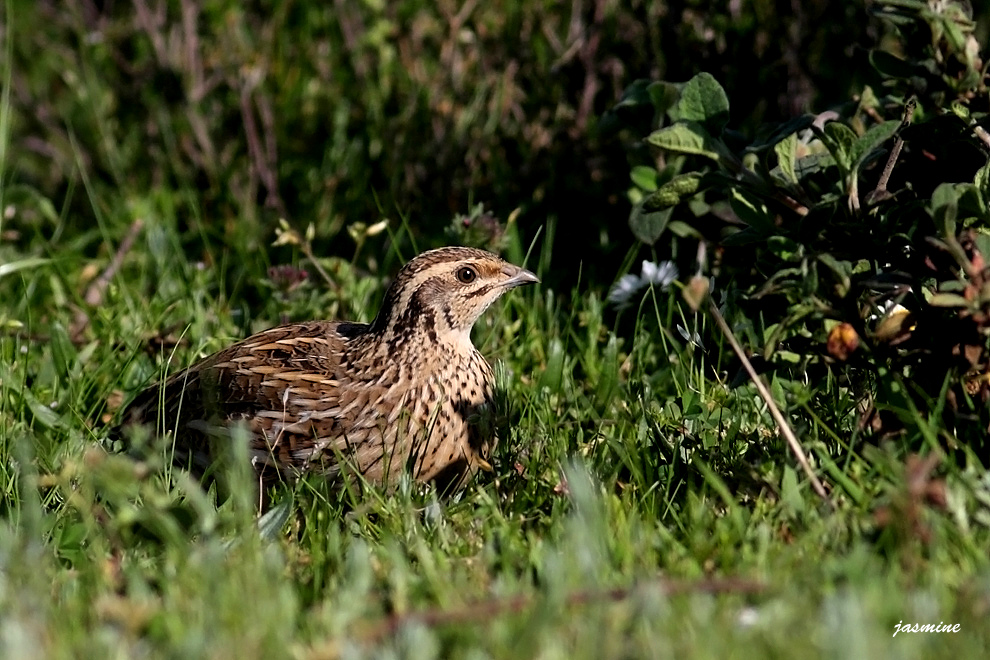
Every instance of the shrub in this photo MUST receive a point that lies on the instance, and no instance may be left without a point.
(848, 246)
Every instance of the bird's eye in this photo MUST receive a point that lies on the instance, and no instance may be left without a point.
(466, 275)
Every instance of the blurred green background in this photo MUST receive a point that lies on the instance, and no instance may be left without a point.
(350, 111)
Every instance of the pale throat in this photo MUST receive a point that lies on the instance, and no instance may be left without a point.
(461, 341)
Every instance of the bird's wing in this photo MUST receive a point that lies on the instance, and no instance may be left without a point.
(273, 382)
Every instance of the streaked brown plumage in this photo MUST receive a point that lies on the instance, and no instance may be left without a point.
(407, 392)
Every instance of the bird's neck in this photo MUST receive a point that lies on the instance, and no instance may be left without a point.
(419, 348)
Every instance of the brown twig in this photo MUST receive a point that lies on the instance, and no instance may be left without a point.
(486, 611)
(574, 39)
(263, 163)
(352, 29)
(194, 64)
(880, 192)
(198, 86)
(267, 115)
(791, 203)
(152, 23)
(455, 22)
(98, 287)
(982, 134)
(778, 417)
(588, 56)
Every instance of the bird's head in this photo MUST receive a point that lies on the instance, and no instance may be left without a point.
(443, 292)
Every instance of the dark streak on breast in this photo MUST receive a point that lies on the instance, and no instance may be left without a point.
(447, 315)
(430, 325)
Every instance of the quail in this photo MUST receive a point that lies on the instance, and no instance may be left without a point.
(408, 392)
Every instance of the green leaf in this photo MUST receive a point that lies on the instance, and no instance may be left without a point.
(23, 264)
(673, 192)
(608, 378)
(785, 248)
(949, 285)
(43, 415)
(847, 484)
(945, 208)
(982, 242)
(64, 353)
(955, 35)
(948, 300)
(778, 133)
(892, 66)
(704, 101)
(736, 237)
(644, 177)
(839, 140)
(982, 183)
(635, 95)
(553, 374)
(842, 270)
(270, 525)
(786, 151)
(688, 137)
(813, 164)
(971, 209)
(790, 493)
(663, 95)
(869, 141)
(647, 226)
(752, 212)
(960, 110)
(683, 230)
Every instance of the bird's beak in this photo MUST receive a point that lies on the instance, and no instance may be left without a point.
(518, 276)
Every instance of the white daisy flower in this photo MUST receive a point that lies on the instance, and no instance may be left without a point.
(661, 275)
(623, 290)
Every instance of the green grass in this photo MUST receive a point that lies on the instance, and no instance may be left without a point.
(640, 507)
